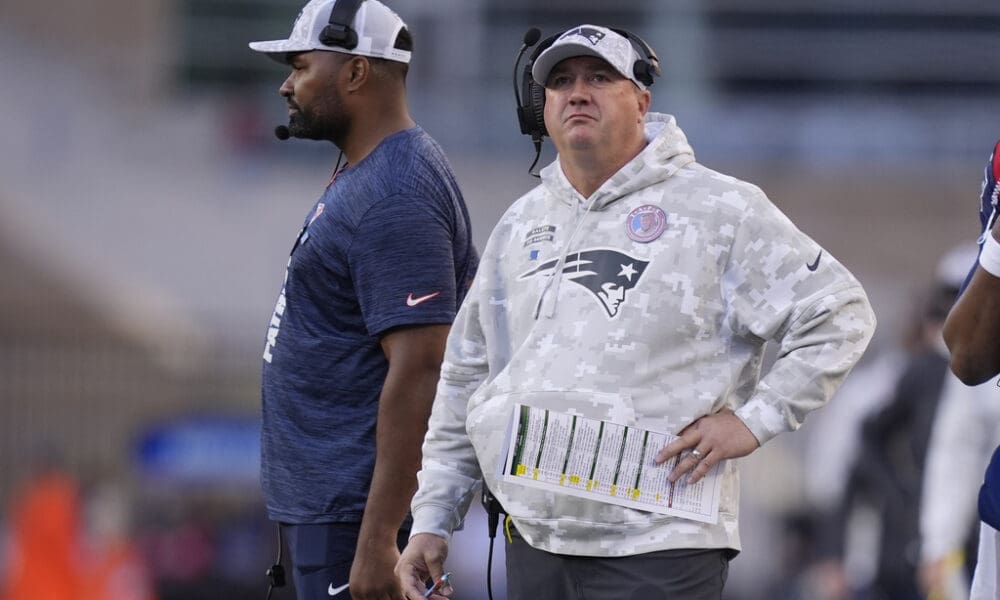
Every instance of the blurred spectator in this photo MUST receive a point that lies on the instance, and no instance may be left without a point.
(966, 430)
(45, 544)
(841, 560)
(888, 473)
(866, 457)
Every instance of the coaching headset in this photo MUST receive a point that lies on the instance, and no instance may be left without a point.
(530, 97)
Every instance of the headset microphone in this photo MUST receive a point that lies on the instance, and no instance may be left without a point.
(282, 133)
(532, 36)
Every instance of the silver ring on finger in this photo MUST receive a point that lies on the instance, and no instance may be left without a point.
(697, 454)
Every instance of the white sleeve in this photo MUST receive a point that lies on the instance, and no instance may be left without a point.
(449, 473)
(781, 285)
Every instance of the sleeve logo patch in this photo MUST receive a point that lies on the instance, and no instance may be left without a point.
(411, 301)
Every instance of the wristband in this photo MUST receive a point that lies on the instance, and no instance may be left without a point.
(989, 256)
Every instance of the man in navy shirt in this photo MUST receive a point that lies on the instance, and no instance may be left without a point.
(972, 333)
(374, 280)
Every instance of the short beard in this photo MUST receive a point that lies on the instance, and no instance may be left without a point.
(327, 122)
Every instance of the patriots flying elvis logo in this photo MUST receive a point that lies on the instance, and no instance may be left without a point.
(607, 274)
(593, 35)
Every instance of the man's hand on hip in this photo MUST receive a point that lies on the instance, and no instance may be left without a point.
(711, 440)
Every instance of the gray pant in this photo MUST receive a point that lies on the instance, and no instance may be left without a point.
(665, 575)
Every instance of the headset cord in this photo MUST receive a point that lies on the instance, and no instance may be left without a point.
(493, 510)
(494, 519)
(276, 574)
(538, 155)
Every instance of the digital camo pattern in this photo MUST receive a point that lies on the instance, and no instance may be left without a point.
(728, 272)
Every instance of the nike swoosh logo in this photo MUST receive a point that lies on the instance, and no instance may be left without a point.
(411, 301)
(332, 591)
(815, 263)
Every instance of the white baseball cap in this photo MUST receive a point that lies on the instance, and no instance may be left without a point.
(376, 25)
(589, 40)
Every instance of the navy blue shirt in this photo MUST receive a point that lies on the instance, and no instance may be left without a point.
(389, 244)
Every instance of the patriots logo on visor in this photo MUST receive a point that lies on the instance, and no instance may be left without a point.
(593, 35)
(607, 274)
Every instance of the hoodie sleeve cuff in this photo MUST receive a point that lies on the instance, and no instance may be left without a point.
(435, 520)
(763, 419)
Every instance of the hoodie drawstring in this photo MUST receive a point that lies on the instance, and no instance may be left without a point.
(557, 271)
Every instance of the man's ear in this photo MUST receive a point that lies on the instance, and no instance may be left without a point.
(358, 71)
(645, 98)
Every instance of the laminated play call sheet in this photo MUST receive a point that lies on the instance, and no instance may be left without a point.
(602, 461)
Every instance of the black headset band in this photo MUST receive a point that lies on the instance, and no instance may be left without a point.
(339, 32)
(648, 64)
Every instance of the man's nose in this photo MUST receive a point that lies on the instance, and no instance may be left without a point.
(286, 87)
(579, 92)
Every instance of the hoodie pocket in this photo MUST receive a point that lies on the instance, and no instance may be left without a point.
(616, 408)
(487, 423)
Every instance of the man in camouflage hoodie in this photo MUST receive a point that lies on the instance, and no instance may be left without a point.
(637, 286)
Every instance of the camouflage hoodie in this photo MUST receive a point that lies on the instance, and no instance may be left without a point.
(671, 279)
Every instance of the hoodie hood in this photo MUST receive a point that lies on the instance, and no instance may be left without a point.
(666, 152)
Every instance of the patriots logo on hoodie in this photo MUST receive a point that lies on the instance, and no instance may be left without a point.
(607, 274)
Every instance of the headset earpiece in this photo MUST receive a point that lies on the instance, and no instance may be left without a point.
(536, 100)
(531, 111)
(533, 97)
(642, 71)
(648, 65)
(339, 33)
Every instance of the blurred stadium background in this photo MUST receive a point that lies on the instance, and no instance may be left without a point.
(146, 212)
